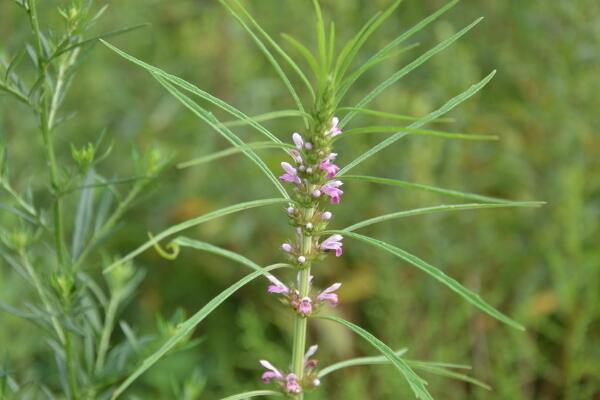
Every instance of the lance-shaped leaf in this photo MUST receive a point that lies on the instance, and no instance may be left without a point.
(437, 209)
(387, 115)
(270, 57)
(185, 328)
(428, 188)
(416, 383)
(437, 368)
(414, 131)
(407, 69)
(277, 48)
(266, 117)
(386, 51)
(224, 131)
(428, 118)
(183, 84)
(231, 151)
(194, 222)
(452, 283)
(304, 52)
(254, 393)
(211, 248)
(345, 61)
(357, 362)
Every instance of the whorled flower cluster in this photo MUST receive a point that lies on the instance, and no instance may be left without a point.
(289, 383)
(312, 173)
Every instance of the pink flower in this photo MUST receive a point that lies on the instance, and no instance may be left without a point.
(298, 141)
(333, 242)
(289, 381)
(327, 295)
(291, 175)
(335, 129)
(277, 286)
(332, 190)
(308, 361)
(330, 168)
(292, 385)
(296, 156)
(305, 306)
(272, 373)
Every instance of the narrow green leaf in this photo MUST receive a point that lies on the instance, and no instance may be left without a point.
(308, 56)
(356, 362)
(204, 246)
(194, 222)
(321, 37)
(255, 393)
(363, 38)
(408, 68)
(453, 284)
(416, 383)
(383, 53)
(270, 57)
(278, 49)
(429, 188)
(387, 115)
(83, 216)
(352, 42)
(414, 131)
(231, 151)
(196, 91)
(266, 117)
(436, 209)
(185, 328)
(430, 117)
(436, 370)
(96, 38)
(224, 131)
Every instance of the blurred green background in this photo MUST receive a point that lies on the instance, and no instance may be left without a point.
(541, 266)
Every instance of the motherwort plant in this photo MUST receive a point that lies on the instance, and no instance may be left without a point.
(311, 187)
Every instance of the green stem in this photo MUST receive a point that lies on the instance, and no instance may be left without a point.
(47, 111)
(301, 323)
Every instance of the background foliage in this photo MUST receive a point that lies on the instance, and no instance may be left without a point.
(540, 266)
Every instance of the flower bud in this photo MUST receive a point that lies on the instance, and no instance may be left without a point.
(326, 216)
(309, 226)
(290, 210)
(286, 247)
(301, 259)
(316, 193)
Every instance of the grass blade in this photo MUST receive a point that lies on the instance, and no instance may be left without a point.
(255, 393)
(356, 362)
(278, 49)
(183, 84)
(185, 328)
(225, 132)
(408, 68)
(231, 151)
(414, 131)
(383, 53)
(436, 209)
(270, 57)
(416, 383)
(455, 101)
(194, 222)
(429, 188)
(436, 273)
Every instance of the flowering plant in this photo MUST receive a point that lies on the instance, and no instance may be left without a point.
(310, 184)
